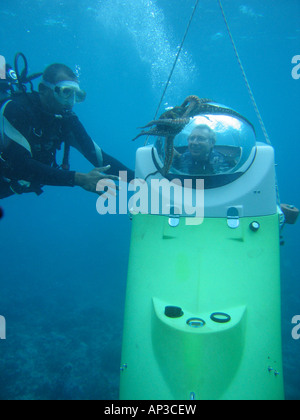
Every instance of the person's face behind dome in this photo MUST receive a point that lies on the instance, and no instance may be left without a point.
(200, 144)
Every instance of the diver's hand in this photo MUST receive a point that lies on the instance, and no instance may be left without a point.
(90, 181)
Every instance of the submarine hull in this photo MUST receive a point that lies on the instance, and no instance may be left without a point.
(223, 339)
(203, 304)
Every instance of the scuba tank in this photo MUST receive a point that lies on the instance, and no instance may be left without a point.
(15, 83)
(203, 302)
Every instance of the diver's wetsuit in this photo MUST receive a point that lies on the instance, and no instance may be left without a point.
(43, 134)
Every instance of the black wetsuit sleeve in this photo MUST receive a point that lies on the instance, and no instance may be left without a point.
(116, 167)
(84, 143)
(23, 167)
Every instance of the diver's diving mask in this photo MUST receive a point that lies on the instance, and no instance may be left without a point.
(67, 92)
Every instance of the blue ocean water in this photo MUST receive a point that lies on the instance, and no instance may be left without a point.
(63, 266)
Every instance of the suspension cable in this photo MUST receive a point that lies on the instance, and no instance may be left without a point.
(177, 57)
(175, 63)
(264, 130)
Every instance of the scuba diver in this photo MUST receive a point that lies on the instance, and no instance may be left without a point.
(34, 125)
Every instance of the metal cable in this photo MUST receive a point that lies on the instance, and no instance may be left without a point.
(176, 60)
(245, 77)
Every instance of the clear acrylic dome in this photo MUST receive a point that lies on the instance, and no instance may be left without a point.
(210, 145)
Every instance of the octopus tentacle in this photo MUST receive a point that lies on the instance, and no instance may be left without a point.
(152, 132)
(168, 123)
(169, 154)
(173, 121)
(196, 99)
(195, 104)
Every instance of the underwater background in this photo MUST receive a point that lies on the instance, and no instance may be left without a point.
(63, 266)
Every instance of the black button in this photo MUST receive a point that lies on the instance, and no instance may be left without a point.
(173, 312)
(254, 226)
(220, 317)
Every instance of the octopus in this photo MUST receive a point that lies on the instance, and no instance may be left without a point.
(172, 122)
